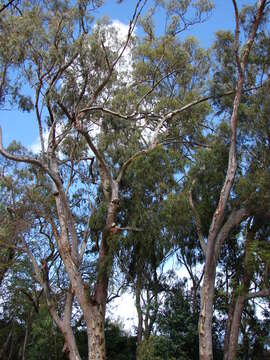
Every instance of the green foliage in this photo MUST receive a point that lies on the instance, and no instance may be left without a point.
(45, 338)
(117, 339)
(53, 47)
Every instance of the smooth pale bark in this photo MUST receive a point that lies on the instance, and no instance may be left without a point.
(219, 231)
(206, 313)
(208, 286)
(70, 347)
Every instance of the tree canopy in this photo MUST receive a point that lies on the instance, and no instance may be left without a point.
(152, 178)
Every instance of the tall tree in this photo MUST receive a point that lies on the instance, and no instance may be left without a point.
(82, 99)
(221, 223)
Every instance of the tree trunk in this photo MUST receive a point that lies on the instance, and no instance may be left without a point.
(228, 332)
(70, 347)
(27, 331)
(139, 311)
(206, 313)
(233, 344)
(95, 332)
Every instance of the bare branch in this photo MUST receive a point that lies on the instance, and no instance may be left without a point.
(28, 160)
(236, 37)
(95, 151)
(17, 158)
(105, 111)
(166, 117)
(38, 115)
(262, 293)
(132, 24)
(84, 241)
(153, 88)
(6, 5)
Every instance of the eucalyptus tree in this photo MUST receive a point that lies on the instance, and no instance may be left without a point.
(247, 270)
(145, 189)
(93, 123)
(222, 221)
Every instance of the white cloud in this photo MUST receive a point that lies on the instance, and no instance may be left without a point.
(116, 43)
(35, 147)
(123, 309)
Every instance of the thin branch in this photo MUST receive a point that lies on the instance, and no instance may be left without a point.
(84, 241)
(6, 5)
(236, 37)
(153, 87)
(164, 119)
(115, 296)
(132, 24)
(197, 219)
(28, 160)
(130, 228)
(96, 152)
(105, 111)
(167, 116)
(38, 115)
(17, 158)
(60, 71)
(106, 55)
(262, 293)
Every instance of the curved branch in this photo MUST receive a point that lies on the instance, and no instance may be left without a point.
(28, 160)
(17, 158)
(235, 219)
(96, 152)
(128, 162)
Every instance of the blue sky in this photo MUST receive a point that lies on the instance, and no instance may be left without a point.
(22, 126)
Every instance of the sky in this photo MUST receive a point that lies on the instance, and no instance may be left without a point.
(22, 126)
